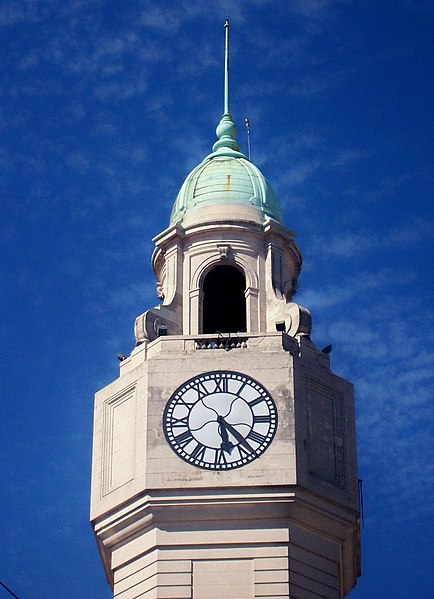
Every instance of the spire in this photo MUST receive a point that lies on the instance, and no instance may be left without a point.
(226, 91)
(226, 130)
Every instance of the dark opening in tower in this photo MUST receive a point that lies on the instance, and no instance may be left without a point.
(224, 302)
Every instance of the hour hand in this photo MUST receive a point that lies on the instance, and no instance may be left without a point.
(238, 436)
(226, 445)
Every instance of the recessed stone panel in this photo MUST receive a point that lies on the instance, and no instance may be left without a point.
(326, 433)
(119, 440)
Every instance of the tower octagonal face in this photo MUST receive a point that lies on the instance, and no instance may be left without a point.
(228, 444)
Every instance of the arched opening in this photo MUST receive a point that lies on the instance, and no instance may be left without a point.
(224, 302)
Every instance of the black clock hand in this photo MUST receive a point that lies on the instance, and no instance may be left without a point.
(226, 445)
(238, 436)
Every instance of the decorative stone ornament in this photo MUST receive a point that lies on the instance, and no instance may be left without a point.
(220, 420)
(223, 251)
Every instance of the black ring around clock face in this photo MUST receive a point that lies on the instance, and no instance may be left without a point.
(220, 420)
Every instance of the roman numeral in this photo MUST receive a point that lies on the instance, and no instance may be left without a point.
(201, 390)
(198, 452)
(182, 401)
(257, 437)
(221, 385)
(241, 388)
(179, 421)
(266, 418)
(256, 401)
(244, 453)
(184, 438)
(220, 457)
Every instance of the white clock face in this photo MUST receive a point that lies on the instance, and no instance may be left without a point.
(220, 420)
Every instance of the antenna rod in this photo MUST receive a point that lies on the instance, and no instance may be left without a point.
(248, 137)
(226, 99)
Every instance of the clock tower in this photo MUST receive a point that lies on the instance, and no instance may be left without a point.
(224, 455)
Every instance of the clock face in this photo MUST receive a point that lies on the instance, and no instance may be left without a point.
(220, 420)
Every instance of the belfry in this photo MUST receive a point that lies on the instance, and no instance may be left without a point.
(224, 455)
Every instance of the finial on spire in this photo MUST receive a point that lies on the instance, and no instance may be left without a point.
(226, 130)
(226, 98)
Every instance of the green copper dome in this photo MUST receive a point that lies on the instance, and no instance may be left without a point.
(226, 178)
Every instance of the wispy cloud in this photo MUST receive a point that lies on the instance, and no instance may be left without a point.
(344, 292)
(313, 9)
(351, 243)
(308, 155)
(165, 19)
(25, 11)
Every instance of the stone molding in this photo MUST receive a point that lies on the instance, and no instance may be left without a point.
(239, 514)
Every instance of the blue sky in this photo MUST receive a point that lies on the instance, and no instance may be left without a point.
(105, 107)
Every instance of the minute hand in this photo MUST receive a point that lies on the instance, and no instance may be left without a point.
(238, 436)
